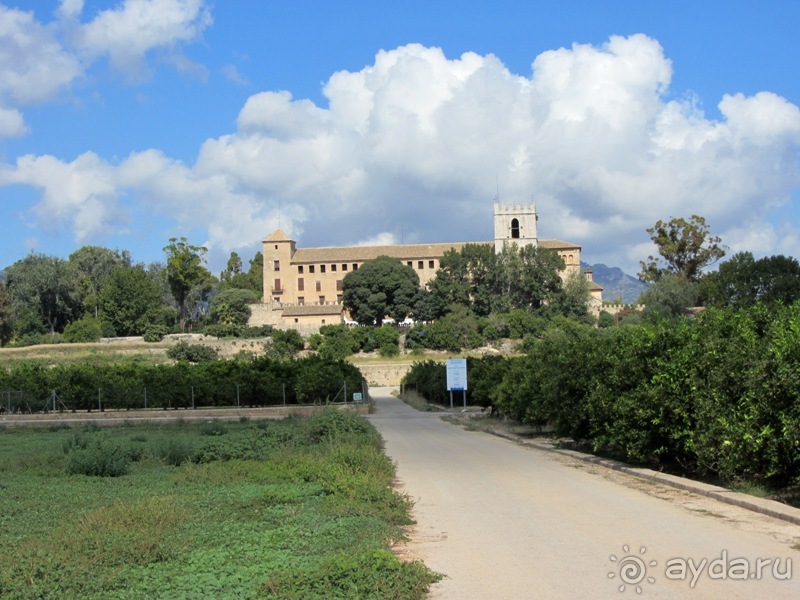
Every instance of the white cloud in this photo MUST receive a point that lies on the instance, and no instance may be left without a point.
(126, 34)
(416, 142)
(12, 123)
(34, 66)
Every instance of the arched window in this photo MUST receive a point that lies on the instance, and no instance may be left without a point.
(514, 229)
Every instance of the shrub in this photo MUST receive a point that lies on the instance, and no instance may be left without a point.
(155, 333)
(87, 329)
(213, 428)
(175, 451)
(330, 423)
(285, 343)
(222, 330)
(193, 353)
(97, 456)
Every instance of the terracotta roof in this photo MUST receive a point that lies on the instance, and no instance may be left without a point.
(305, 310)
(362, 253)
(278, 236)
(400, 251)
(557, 244)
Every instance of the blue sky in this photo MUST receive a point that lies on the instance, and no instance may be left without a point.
(123, 124)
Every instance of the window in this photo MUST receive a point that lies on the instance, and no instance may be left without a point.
(300, 269)
(322, 299)
(277, 265)
(515, 229)
(296, 320)
(301, 300)
(319, 286)
(339, 298)
(322, 268)
(419, 264)
(333, 268)
(355, 267)
(301, 284)
(430, 264)
(338, 285)
(310, 268)
(323, 321)
(276, 246)
(277, 286)
(344, 267)
(410, 264)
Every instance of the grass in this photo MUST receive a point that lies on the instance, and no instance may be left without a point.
(300, 508)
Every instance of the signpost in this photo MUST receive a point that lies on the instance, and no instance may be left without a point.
(457, 378)
(357, 397)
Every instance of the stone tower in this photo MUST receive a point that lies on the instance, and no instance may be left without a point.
(515, 224)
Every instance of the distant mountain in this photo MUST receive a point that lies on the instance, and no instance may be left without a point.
(616, 284)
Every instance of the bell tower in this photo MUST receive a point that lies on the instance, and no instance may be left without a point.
(515, 224)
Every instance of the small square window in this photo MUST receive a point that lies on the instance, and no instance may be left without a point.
(419, 264)
(344, 267)
(277, 265)
(333, 268)
(310, 268)
(410, 264)
(300, 269)
(301, 300)
(430, 264)
(322, 268)
(322, 299)
(355, 267)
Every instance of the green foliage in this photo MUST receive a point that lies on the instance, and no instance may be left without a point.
(185, 272)
(388, 340)
(175, 451)
(154, 333)
(43, 291)
(285, 343)
(231, 306)
(223, 330)
(193, 353)
(130, 301)
(86, 329)
(93, 266)
(456, 331)
(606, 319)
(381, 287)
(331, 423)
(6, 315)
(96, 455)
(303, 518)
(668, 298)
(686, 248)
(336, 342)
(743, 281)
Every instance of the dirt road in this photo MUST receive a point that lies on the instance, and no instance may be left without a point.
(502, 521)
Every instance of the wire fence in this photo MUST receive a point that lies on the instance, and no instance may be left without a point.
(173, 398)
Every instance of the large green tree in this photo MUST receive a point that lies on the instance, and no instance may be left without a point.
(44, 286)
(686, 248)
(6, 315)
(130, 301)
(381, 287)
(529, 278)
(185, 271)
(232, 306)
(743, 281)
(94, 266)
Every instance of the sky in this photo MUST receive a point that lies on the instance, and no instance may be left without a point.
(126, 123)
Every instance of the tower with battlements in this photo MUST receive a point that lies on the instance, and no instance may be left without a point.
(515, 224)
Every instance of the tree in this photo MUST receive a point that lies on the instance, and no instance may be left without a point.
(743, 281)
(44, 286)
(130, 301)
(232, 306)
(573, 302)
(529, 278)
(94, 265)
(669, 297)
(185, 270)
(233, 268)
(686, 248)
(6, 315)
(381, 287)
(467, 277)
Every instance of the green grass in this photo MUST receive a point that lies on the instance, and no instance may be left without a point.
(300, 508)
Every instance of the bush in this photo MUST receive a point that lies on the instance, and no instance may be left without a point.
(87, 329)
(222, 330)
(155, 333)
(285, 343)
(96, 455)
(193, 353)
(388, 340)
(175, 451)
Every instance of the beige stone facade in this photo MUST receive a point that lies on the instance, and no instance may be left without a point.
(303, 286)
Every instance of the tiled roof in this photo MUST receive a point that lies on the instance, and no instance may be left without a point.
(305, 310)
(278, 236)
(400, 251)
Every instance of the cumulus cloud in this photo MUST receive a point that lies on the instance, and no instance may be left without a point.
(126, 34)
(415, 144)
(39, 61)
